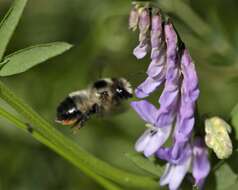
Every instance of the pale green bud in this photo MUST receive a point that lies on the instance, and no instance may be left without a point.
(217, 137)
(133, 19)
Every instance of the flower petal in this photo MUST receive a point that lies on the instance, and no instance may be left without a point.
(147, 111)
(133, 19)
(168, 173)
(201, 164)
(183, 129)
(177, 150)
(164, 153)
(142, 142)
(189, 73)
(157, 140)
(141, 50)
(147, 87)
(144, 21)
(179, 173)
(156, 68)
(174, 173)
(169, 98)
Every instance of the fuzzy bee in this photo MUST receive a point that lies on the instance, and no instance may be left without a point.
(102, 97)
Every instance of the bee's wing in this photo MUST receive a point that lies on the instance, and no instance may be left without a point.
(79, 93)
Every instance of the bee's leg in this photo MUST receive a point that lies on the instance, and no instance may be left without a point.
(81, 121)
(84, 117)
(76, 125)
(95, 109)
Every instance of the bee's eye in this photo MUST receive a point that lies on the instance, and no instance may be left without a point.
(119, 90)
(122, 93)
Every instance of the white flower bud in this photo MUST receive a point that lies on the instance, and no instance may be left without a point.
(217, 137)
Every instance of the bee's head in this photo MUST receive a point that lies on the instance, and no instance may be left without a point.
(123, 88)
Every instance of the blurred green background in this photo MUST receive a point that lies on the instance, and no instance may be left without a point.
(103, 48)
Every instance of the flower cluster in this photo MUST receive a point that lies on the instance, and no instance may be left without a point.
(172, 66)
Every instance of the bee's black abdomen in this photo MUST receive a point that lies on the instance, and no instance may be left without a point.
(100, 84)
(67, 110)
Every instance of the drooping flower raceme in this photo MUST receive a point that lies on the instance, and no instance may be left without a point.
(171, 66)
(170, 95)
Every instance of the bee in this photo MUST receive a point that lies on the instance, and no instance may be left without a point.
(102, 97)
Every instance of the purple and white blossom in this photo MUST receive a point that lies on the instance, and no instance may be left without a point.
(154, 137)
(175, 171)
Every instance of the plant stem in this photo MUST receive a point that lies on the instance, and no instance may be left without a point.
(105, 183)
(73, 151)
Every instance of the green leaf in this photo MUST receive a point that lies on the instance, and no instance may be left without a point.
(9, 23)
(27, 58)
(225, 177)
(233, 187)
(145, 164)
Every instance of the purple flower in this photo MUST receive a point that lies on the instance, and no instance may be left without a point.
(174, 173)
(201, 164)
(144, 23)
(189, 94)
(156, 69)
(170, 95)
(154, 137)
(194, 156)
(141, 50)
(172, 74)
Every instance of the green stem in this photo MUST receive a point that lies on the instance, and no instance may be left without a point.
(83, 158)
(218, 165)
(105, 183)
(185, 13)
